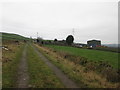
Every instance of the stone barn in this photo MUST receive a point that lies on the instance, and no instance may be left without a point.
(93, 43)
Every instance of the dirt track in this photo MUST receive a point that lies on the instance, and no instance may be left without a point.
(23, 77)
(22, 81)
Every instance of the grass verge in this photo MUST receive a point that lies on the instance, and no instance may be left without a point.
(10, 61)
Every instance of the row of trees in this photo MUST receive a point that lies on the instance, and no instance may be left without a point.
(69, 39)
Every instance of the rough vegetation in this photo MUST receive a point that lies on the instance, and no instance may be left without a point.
(10, 59)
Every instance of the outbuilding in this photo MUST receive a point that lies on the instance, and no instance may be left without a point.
(93, 43)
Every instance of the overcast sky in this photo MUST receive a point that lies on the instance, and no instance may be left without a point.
(90, 20)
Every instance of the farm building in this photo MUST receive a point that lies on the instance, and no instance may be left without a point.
(93, 43)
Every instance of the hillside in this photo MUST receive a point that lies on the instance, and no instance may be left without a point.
(10, 36)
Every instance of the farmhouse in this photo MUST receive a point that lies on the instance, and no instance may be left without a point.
(93, 43)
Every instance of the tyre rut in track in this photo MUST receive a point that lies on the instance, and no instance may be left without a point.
(22, 80)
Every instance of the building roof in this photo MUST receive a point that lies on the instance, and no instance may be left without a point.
(93, 40)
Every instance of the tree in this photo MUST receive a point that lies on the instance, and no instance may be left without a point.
(39, 39)
(69, 39)
(55, 40)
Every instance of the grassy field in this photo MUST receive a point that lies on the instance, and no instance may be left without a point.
(76, 72)
(94, 55)
(40, 74)
(10, 36)
(10, 61)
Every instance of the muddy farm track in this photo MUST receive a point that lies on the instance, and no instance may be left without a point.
(23, 77)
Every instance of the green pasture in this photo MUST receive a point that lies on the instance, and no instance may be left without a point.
(94, 55)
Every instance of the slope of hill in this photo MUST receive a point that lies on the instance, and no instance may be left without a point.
(10, 36)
